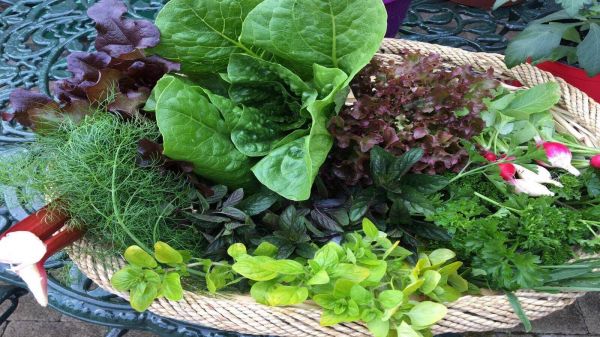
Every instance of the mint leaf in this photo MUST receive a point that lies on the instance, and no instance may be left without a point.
(589, 50)
(426, 313)
(280, 295)
(171, 287)
(139, 257)
(369, 228)
(166, 254)
(390, 299)
(126, 278)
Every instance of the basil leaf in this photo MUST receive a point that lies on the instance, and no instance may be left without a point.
(126, 278)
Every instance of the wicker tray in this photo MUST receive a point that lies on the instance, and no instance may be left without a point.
(576, 114)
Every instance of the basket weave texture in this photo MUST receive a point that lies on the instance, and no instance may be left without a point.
(576, 114)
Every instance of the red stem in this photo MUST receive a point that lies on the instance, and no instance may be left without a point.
(61, 240)
(42, 223)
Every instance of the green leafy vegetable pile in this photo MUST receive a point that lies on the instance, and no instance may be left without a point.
(435, 182)
(262, 79)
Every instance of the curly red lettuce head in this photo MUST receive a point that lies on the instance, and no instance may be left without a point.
(417, 102)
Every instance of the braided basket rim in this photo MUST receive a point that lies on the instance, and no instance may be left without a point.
(576, 114)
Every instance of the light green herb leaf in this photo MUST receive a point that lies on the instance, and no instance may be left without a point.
(572, 7)
(379, 328)
(342, 288)
(126, 278)
(280, 295)
(142, 296)
(201, 35)
(266, 249)
(350, 272)
(431, 280)
(259, 291)
(536, 41)
(361, 295)
(369, 228)
(426, 313)
(321, 277)
(405, 330)
(138, 257)
(328, 256)
(254, 268)
(285, 267)
(237, 249)
(390, 299)
(440, 256)
(166, 254)
(172, 287)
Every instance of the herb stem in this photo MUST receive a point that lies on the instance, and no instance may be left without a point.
(494, 202)
(115, 206)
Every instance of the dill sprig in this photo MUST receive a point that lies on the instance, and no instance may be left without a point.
(90, 166)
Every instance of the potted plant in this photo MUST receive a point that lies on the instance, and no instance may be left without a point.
(396, 10)
(565, 43)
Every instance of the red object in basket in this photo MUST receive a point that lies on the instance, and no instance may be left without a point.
(574, 76)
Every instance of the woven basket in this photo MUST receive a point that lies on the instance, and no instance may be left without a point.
(576, 114)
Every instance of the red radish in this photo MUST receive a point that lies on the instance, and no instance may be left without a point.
(528, 185)
(542, 176)
(507, 171)
(560, 156)
(489, 156)
(595, 161)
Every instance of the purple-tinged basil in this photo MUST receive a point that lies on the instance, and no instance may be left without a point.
(416, 103)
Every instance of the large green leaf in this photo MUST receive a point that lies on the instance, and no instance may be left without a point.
(540, 98)
(201, 34)
(588, 51)
(193, 130)
(274, 93)
(290, 169)
(536, 41)
(338, 34)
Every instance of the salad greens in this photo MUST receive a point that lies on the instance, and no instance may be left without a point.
(284, 67)
(367, 279)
